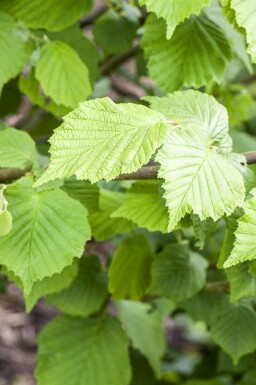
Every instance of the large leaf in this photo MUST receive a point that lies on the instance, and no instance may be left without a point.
(245, 246)
(101, 139)
(143, 326)
(101, 221)
(87, 292)
(78, 351)
(49, 230)
(129, 273)
(114, 33)
(196, 54)
(198, 177)
(245, 16)
(144, 206)
(62, 74)
(234, 328)
(193, 109)
(174, 11)
(17, 149)
(13, 48)
(178, 273)
(51, 14)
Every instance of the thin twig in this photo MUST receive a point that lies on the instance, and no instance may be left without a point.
(95, 14)
(114, 61)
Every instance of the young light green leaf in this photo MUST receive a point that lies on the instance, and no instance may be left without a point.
(86, 294)
(178, 273)
(193, 109)
(62, 74)
(129, 273)
(174, 11)
(14, 50)
(51, 14)
(17, 149)
(244, 246)
(114, 33)
(5, 222)
(92, 351)
(198, 177)
(176, 63)
(143, 325)
(234, 328)
(144, 206)
(101, 139)
(245, 16)
(102, 224)
(49, 230)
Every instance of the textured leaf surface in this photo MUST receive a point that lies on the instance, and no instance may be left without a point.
(38, 245)
(245, 246)
(114, 33)
(174, 11)
(234, 329)
(129, 273)
(14, 50)
(245, 16)
(86, 294)
(143, 326)
(101, 139)
(101, 221)
(178, 273)
(196, 54)
(17, 149)
(92, 351)
(51, 284)
(198, 177)
(242, 281)
(193, 109)
(62, 74)
(51, 14)
(144, 206)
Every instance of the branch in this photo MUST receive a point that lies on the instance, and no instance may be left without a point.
(114, 61)
(95, 14)
(222, 286)
(9, 174)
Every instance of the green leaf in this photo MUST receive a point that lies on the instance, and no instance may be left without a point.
(234, 328)
(129, 273)
(143, 325)
(193, 109)
(49, 230)
(242, 281)
(114, 33)
(202, 229)
(30, 86)
(14, 50)
(178, 273)
(87, 293)
(5, 222)
(48, 285)
(51, 14)
(101, 139)
(245, 16)
(17, 149)
(144, 206)
(244, 246)
(198, 177)
(86, 193)
(102, 224)
(174, 11)
(62, 74)
(196, 54)
(91, 351)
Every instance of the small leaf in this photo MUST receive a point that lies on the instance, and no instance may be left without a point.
(92, 351)
(178, 273)
(5, 222)
(129, 273)
(242, 281)
(17, 149)
(62, 74)
(234, 328)
(87, 292)
(101, 139)
(143, 326)
(49, 230)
